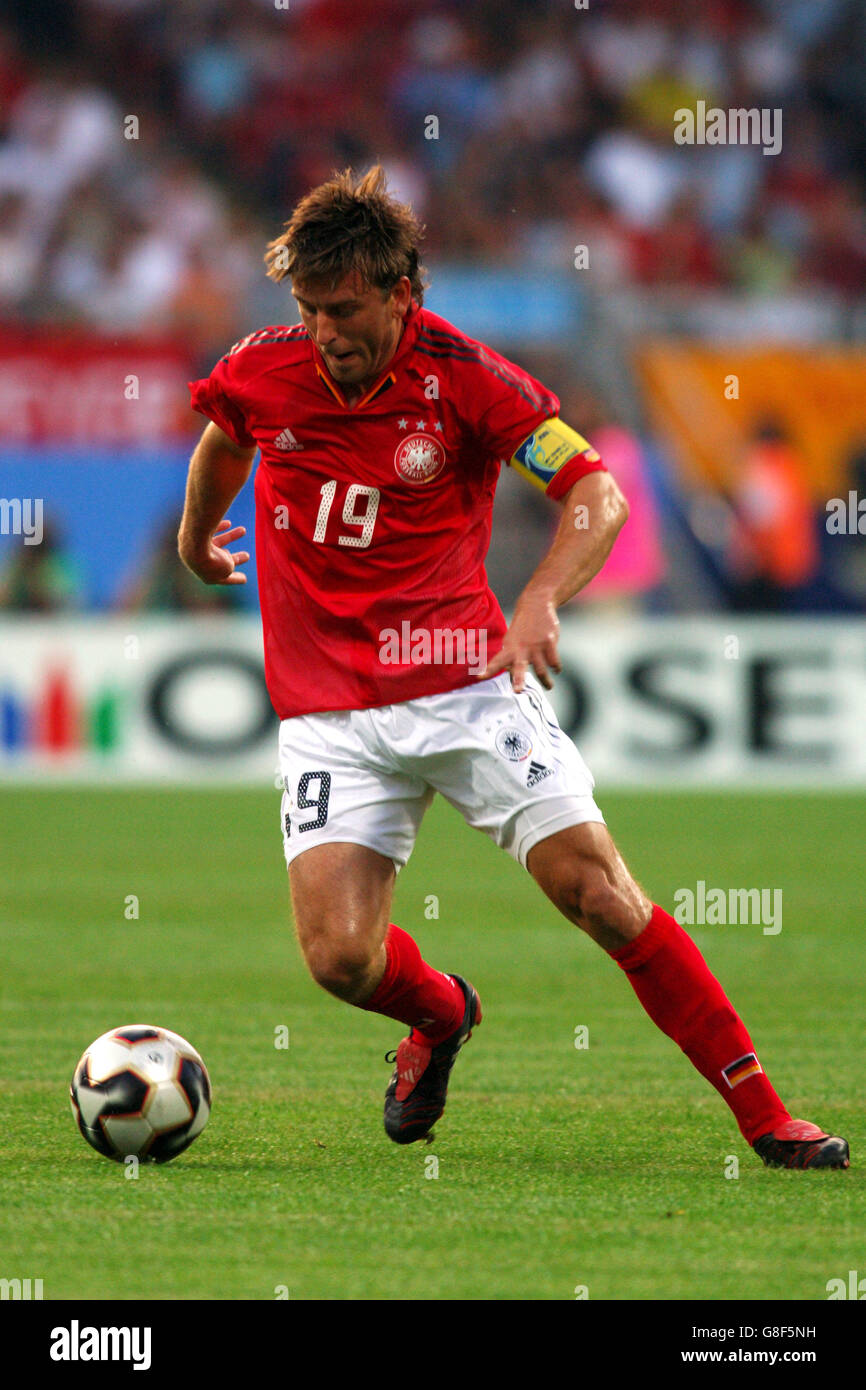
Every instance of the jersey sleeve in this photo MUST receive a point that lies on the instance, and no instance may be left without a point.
(506, 403)
(517, 421)
(217, 397)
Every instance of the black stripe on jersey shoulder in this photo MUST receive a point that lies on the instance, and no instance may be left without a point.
(273, 334)
(456, 340)
(478, 351)
(453, 336)
(462, 351)
(439, 338)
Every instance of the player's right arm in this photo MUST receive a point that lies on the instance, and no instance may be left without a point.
(218, 470)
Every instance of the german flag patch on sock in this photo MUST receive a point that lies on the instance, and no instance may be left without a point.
(737, 1071)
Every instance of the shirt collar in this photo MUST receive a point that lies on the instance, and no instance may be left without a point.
(407, 340)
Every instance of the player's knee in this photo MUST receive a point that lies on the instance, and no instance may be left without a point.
(600, 903)
(340, 967)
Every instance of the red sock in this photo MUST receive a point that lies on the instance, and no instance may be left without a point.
(412, 992)
(670, 978)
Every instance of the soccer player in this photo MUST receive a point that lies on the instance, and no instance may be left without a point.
(382, 430)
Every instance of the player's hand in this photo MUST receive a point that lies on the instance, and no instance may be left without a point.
(217, 564)
(531, 640)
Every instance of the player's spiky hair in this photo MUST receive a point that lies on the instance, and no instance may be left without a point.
(350, 224)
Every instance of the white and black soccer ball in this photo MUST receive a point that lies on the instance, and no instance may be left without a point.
(140, 1091)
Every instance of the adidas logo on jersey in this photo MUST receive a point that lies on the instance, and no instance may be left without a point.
(286, 440)
(537, 773)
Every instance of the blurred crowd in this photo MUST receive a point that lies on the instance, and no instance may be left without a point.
(149, 147)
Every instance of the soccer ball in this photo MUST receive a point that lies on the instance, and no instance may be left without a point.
(140, 1091)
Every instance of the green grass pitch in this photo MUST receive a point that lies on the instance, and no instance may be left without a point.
(559, 1168)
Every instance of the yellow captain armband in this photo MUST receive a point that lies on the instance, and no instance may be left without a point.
(548, 449)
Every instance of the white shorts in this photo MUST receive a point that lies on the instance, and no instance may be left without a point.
(368, 775)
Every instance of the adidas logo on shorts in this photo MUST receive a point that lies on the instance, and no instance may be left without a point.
(537, 773)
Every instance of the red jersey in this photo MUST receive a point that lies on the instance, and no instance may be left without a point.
(373, 522)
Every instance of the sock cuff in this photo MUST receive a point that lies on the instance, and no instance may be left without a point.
(392, 968)
(657, 932)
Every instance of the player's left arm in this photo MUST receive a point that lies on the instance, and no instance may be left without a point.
(594, 512)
